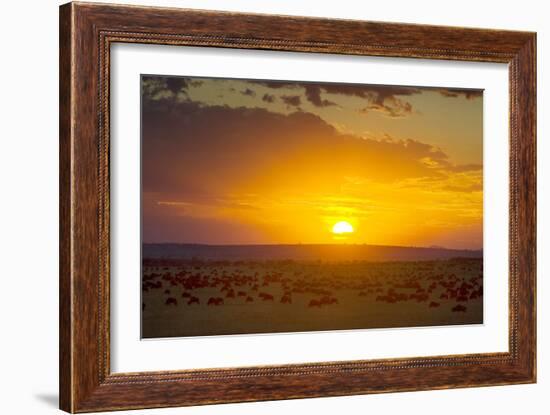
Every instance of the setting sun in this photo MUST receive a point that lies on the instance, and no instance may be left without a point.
(342, 227)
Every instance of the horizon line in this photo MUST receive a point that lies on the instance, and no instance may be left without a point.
(314, 244)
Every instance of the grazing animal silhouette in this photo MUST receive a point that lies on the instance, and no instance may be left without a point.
(185, 294)
(328, 300)
(434, 304)
(249, 299)
(285, 299)
(193, 300)
(241, 294)
(215, 301)
(167, 291)
(171, 300)
(314, 303)
(266, 296)
(459, 308)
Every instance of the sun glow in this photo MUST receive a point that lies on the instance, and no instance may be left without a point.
(342, 227)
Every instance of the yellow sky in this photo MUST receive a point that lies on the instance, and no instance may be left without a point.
(257, 162)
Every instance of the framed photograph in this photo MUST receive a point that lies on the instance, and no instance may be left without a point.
(258, 207)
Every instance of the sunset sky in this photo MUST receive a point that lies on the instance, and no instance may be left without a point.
(270, 162)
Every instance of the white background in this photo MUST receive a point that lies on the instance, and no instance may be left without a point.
(129, 354)
(29, 227)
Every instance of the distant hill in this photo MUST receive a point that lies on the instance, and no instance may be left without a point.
(303, 252)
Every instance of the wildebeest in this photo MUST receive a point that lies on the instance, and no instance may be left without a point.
(215, 301)
(266, 296)
(193, 300)
(285, 299)
(327, 300)
(171, 300)
(296, 285)
(459, 308)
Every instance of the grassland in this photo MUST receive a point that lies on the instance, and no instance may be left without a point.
(189, 297)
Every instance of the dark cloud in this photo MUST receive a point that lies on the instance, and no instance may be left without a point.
(383, 99)
(378, 93)
(313, 95)
(196, 150)
(380, 98)
(456, 92)
(270, 99)
(176, 85)
(391, 107)
(387, 100)
(248, 92)
(277, 84)
(292, 100)
(165, 87)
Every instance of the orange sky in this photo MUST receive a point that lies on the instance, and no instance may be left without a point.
(263, 162)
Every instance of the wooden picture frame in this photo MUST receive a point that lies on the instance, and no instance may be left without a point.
(86, 33)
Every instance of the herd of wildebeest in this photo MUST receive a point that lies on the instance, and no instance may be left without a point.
(440, 285)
